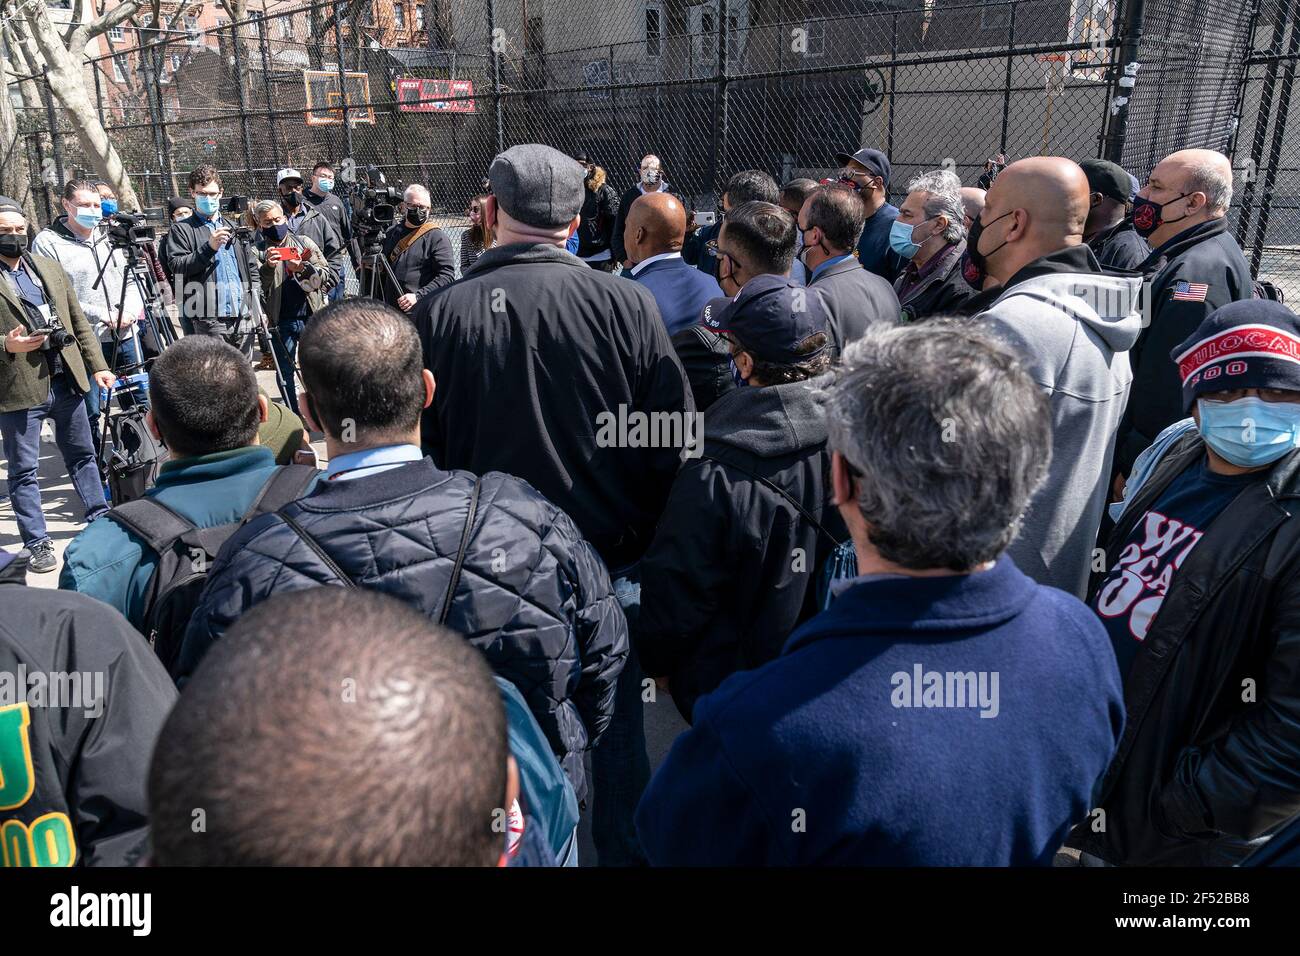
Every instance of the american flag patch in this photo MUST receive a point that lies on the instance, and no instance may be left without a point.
(1191, 292)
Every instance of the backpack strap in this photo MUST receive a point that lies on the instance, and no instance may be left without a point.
(460, 552)
(782, 492)
(287, 483)
(320, 552)
(152, 522)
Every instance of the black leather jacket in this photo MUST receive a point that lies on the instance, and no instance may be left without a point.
(1210, 757)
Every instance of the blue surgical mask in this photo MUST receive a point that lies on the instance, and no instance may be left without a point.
(900, 239)
(1250, 432)
(108, 206)
(325, 185)
(207, 205)
(88, 217)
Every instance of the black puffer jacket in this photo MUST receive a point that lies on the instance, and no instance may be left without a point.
(734, 564)
(533, 596)
(1201, 770)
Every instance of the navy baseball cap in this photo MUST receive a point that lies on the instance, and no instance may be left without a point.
(876, 162)
(771, 317)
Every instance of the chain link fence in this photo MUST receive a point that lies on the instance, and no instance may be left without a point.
(430, 91)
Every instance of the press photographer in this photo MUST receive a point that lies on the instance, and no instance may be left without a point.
(417, 251)
(215, 267)
(79, 242)
(296, 283)
(51, 360)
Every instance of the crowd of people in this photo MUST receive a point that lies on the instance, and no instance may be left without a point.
(961, 531)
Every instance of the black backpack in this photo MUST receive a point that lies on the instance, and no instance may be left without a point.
(185, 554)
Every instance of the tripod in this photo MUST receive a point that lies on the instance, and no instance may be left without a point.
(162, 324)
(374, 255)
(255, 308)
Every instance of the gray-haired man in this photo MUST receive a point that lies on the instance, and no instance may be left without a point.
(930, 236)
(418, 252)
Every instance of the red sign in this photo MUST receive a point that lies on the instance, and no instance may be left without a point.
(416, 95)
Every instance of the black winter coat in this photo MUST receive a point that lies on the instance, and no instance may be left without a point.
(84, 776)
(599, 215)
(532, 596)
(944, 292)
(532, 351)
(1204, 253)
(734, 565)
(1200, 770)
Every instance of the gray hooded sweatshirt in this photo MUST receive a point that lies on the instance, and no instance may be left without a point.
(1074, 329)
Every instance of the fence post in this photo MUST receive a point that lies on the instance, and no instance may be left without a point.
(266, 88)
(724, 100)
(153, 94)
(1275, 149)
(1006, 91)
(1130, 41)
(496, 73)
(99, 92)
(893, 59)
(237, 45)
(343, 80)
(1263, 113)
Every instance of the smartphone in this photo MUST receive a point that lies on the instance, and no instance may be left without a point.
(289, 253)
(705, 218)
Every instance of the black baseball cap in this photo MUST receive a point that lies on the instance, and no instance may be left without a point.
(1108, 179)
(582, 156)
(876, 162)
(770, 318)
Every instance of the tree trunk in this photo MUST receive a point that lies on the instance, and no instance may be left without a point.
(15, 174)
(68, 83)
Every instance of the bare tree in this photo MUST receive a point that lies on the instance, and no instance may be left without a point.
(64, 56)
(15, 174)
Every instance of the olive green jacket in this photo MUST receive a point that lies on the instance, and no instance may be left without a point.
(25, 376)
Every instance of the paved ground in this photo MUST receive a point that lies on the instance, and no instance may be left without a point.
(64, 516)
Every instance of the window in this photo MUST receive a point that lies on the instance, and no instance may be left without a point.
(419, 16)
(176, 62)
(399, 16)
(119, 69)
(146, 20)
(117, 34)
(816, 33)
(368, 16)
(996, 16)
(654, 31)
(222, 22)
(286, 28)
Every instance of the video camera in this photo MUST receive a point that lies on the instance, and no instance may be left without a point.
(237, 206)
(376, 211)
(126, 230)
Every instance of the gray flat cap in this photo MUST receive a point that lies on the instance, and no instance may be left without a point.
(537, 185)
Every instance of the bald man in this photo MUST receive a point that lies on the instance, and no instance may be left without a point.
(1072, 325)
(653, 237)
(1194, 268)
(972, 203)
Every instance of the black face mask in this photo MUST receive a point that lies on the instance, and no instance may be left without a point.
(417, 216)
(292, 200)
(13, 246)
(975, 266)
(1147, 216)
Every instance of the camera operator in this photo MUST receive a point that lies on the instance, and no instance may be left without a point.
(321, 197)
(215, 268)
(77, 241)
(293, 289)
(44, 374)
(418, 251)
(306, 220)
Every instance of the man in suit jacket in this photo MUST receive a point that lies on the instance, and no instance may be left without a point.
(855, 299)
(653, 236)
(37, 382)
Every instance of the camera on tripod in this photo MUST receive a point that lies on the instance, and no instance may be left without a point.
(57, 338)
(376, 210)
(126, 230)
